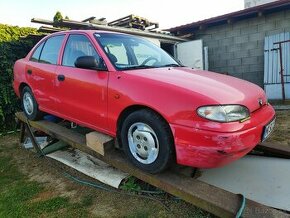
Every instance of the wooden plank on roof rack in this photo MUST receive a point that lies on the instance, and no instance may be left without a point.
(212, 199)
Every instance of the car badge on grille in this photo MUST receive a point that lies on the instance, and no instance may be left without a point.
(260, 100)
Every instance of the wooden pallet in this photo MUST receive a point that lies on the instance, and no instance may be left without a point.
(212, 199)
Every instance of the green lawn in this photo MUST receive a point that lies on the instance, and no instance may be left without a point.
(30, 187)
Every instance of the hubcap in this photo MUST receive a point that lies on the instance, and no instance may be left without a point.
(143, 143)
(28, 103)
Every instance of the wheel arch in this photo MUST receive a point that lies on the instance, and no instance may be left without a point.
(21, 87)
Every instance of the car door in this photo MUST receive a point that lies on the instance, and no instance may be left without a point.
(81, 93)
(40, 72)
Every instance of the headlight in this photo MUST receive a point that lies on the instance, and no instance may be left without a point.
(224, 113)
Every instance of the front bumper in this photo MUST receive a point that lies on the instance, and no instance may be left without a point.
(208, 149)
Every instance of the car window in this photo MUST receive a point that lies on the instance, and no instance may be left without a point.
(77, 46)
(36, 53)
(130, 52)
(144, 53)
(50, 51)
(117, 53)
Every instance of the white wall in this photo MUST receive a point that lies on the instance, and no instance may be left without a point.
(253, 3)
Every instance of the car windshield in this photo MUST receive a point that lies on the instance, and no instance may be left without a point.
(128, 52)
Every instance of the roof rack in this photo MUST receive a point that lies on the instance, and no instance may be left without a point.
(95, 24)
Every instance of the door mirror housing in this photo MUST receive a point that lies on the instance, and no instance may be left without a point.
(91, 63)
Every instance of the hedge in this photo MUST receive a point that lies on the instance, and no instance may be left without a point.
(14, 44)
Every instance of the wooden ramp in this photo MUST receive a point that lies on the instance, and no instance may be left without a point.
(210, 198)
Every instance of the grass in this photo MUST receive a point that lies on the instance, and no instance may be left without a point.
(30, 187)
(17, 196)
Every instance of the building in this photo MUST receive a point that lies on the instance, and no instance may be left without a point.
(253, 3)
(242, 44)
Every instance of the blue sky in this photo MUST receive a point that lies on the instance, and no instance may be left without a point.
(167, 13)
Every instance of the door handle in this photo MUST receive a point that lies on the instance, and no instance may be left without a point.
(61, 77)
(29, 71)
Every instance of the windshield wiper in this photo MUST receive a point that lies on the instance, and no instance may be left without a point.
(138, 67)
(171, 65)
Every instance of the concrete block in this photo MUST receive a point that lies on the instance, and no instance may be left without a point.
(219, 63)
(256, 36)
(249, 30)
(219, 35)
(242, 69)
(232, 33)
(241, 53)
(256, 67)
(249, 45)
(267, 26)
(254, 77)
(218, 50)
(287, 14)
(234, 62)
(241, 39)
(275, 16)
(211, 43)
(260, 59)
(235, 74)
(240, 24)
(226, 56)
(234, 48)
(287, 29)
(226, 41)
(256, 52)
(282, 23)
(249, 60)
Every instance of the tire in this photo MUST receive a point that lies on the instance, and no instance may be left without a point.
(29, 104)
(147, 141)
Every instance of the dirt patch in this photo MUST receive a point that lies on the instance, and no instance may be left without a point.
(281, 132)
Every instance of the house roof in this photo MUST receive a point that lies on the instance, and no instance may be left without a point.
(234, 16)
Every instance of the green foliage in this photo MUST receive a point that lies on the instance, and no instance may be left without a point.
(13, 46)
(131, 185)
(57, 17)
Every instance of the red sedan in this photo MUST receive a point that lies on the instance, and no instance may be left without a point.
(129, 88)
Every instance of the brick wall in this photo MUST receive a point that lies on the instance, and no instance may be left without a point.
(238, 48)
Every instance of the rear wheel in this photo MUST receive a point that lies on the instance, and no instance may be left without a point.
(29, 104)
(147, 141)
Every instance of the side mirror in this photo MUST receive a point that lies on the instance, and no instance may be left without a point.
(90, 62)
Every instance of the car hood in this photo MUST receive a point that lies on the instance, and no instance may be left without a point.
(218, 88)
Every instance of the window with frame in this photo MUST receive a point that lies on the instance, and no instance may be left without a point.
(50, 51)
(36, 54)
(77, 45)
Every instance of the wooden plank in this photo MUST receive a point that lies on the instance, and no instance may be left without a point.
(274, 149)
(212, 199)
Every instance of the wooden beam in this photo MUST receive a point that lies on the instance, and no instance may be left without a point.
(212, 199)
(274, 149)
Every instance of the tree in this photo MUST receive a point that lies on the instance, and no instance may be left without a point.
(66, 17)
(57, 17)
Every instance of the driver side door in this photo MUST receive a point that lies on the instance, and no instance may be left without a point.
(81, 93)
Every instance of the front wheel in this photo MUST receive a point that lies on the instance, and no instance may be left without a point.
(29, 104)
(147, 141)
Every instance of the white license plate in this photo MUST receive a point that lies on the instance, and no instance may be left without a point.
(268, 129)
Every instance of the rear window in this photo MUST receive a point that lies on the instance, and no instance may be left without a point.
(50, 51)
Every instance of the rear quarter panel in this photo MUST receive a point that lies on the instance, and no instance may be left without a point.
(19, 75)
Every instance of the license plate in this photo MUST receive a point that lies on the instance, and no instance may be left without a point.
(268, 129)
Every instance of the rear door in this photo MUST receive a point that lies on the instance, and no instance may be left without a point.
(81, 93)
(41, 71)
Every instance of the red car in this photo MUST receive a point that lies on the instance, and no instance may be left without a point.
(129, 88)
